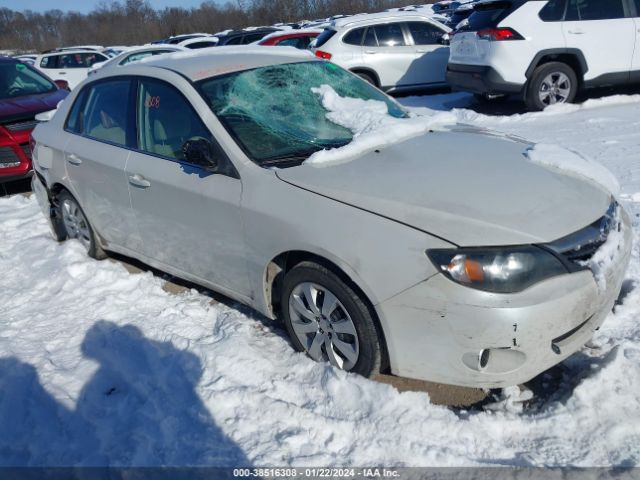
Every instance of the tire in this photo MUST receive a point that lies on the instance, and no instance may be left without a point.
(367, 77)
(347, 336)
(73, 223)
(551, 84)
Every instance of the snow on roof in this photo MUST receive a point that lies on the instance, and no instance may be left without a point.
(200, 64)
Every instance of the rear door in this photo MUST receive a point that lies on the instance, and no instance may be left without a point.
(605, 33)
(189, 219)
(99, 128)
(388, 52)
(431, 56)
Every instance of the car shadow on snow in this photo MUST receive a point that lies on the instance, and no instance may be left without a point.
(140, 408)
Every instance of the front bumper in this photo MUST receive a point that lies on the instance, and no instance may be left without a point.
(439, 330)
(479, 79)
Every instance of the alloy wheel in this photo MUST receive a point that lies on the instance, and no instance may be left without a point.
(323, 325)
(75, 222)
(555, 88)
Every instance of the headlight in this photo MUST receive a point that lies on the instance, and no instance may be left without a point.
(498, 270)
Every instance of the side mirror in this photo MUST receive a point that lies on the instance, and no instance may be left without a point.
(62, 84)
(445, 39)
(199, 152)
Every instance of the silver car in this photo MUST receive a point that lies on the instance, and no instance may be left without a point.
(448, 257)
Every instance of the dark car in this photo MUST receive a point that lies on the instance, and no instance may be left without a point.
(24, 92)
(245, 37)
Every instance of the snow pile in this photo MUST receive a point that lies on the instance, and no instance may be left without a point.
(571, 163)
(102, 367)
(371, 124)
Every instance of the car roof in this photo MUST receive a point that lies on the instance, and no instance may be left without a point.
(379, 17)
(70, 52)
(200, 64)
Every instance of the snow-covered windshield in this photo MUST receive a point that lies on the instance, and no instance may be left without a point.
(276, 114)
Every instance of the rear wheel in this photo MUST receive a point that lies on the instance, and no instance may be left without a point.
(74, 224)
(551, 84)
(367, 77)
(329, 321)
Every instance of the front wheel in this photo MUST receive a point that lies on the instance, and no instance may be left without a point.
(74, 224)
(329, 321)
(551, 84)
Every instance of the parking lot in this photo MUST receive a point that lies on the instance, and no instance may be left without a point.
(78, 333)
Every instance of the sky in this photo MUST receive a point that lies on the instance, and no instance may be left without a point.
(85, 5)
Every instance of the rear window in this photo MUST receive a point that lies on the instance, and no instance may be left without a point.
(324, 37)
(490, 14)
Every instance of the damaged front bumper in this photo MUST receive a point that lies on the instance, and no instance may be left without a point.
(444, 332)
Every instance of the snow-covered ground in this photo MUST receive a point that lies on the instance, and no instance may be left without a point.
(102, 367)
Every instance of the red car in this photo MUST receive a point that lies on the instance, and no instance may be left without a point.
(291, 38)
(24, 92)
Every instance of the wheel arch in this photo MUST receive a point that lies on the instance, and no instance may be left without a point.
(570, 56)
(278, 267)
(368, 71)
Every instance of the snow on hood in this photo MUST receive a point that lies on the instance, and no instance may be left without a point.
(371, 124)
(574, 164)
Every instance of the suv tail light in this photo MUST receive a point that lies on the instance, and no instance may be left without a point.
(323, 55)
(499, 34)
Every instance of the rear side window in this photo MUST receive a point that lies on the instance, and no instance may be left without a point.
(74, 120)
(584, 10)
(235, 41)
(79, 60)
(166, 120)
(637, 8)
(354, 37)
(254, 37)
(553, 11)
(197, 45)
(324, 37)
(424, 33)
(389, 35)
(105, 113)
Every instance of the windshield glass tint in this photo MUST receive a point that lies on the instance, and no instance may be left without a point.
(19, 80)
(289, 121)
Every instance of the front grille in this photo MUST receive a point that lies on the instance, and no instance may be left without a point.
(22, 126)
(8, 158)
(579, 247)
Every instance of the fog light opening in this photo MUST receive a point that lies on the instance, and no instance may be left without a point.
(483, 360)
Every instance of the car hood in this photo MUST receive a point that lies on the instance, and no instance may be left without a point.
(19, 108)
(469, 186)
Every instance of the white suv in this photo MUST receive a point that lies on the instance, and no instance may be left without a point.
(392, 50)
(69, 65)
(546, 50)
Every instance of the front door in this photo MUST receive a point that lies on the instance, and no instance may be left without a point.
(189, 218)
(431, 56)
(388, 53)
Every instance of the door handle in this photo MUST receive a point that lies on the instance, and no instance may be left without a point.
(576, 32)
(139, 181)
(73, 159)
(420, 50)
(62, 73)
(370, 52)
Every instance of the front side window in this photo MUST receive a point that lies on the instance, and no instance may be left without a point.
(104, 116)
(166, 120)
(389, 35)
(20, 80)
(585, 10)
(424, 33)
(79, 60)
(289, 124)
